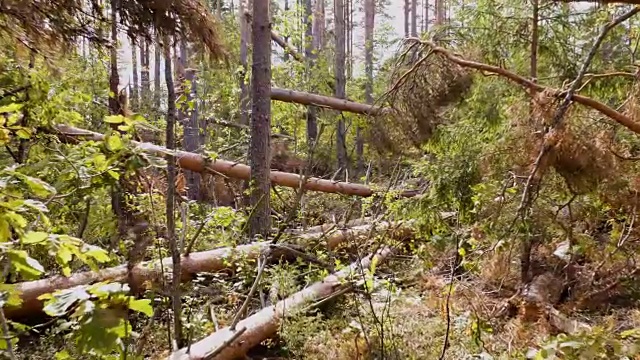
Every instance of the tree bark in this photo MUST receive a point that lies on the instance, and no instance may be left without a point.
(369, 24)
(191, 141)
(284, 44)
(312, 121)
(135, 104)
(259, 148)
(319, 26)
(439, 5)
(407, 16)
(339, 73)
(335, 103)
(245, 101)
(172, 240)
(414, 18)
(266, 322)
(201, 164)
(145, 84)
(149, 273)
(156, 77)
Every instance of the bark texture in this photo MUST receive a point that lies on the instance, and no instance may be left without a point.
(260, 186)
(341, 82)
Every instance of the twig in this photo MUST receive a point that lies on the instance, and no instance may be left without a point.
(261, 265)
(197, 234)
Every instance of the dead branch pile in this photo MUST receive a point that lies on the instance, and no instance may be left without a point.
(424, 84)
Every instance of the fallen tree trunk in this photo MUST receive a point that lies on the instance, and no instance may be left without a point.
(305, 98)
(199, 163)
(199, 262)
(231, 344)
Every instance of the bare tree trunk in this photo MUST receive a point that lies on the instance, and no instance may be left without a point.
(414, 18)
(425, 19)
(191, 141)
(286, 37)
(135, 104)
(260, 220)
(156, 77)
(525, 256)
(369, 24)
(341, 146)
(406, 17)
(244, 63)
(319, 26)
(170, 196)
(310, 42)
(440, 13)
(145, 83)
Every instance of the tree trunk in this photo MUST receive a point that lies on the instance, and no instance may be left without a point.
(266, 323)
(440, 13)
(260, 220)
(414, 18)
(319, 26)
(369, 24)
(192, 137)
(286, 38)
(170, 195)
(210, 261)
(156, 77)
(201, 164)
(339, 73)
(407, 15)
(335, 103)
(245, 101)
(134, 64)
(145, 83)
(425, 20)
(312, 121)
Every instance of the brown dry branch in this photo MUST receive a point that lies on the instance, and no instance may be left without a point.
(147, 273)
(46, 24)
(265, 323)
(201, 164)
(602, 108)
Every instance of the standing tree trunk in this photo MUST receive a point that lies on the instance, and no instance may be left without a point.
(134, 64)
(406, 18)
(341, 150)
(439, 12)
(260, 186)
(156, 78)
(318, 26)
(145, 83)
(310, 43)
(369, 23)
(425, 19)
(170, 196)
(244, 51)
(286, 36)
(414, 18)
(525, 256)
(192, 138)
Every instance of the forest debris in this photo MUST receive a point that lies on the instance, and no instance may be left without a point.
(150, 272)
(199, 163)
(304, 98)
(265, 323)
(602, 108)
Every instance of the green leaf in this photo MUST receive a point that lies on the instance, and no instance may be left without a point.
(11, 108)
(62, 300)
(114, 174)
(27, 266)
(113, 142)
(63, 355)
(114, 119)
(99, 254)
(142, 305)
(23, 133)
(39, 187)
(34, 237)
